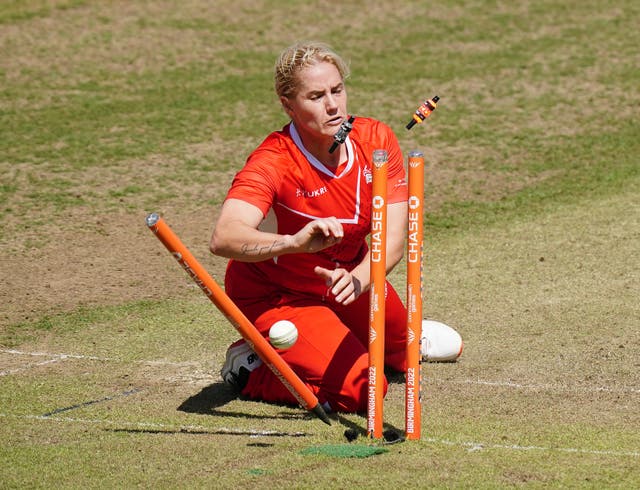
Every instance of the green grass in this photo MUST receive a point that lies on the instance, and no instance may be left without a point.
(15, 11)
(583, 169)
(110, 110)
(108, 118)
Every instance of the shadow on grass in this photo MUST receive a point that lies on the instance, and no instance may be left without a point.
(393, 376)
(224, 432)
(217, 395)
(209, 398)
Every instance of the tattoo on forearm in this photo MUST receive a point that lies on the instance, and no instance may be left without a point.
(255, 249)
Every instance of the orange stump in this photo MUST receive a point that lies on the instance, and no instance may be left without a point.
(378, 264)
(216, 294)
(413, 403)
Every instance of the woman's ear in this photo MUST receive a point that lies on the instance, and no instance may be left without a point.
(286, 105)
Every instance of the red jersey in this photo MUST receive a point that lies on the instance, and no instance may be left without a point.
(281, 175)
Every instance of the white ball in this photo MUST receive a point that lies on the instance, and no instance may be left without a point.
(283, 334)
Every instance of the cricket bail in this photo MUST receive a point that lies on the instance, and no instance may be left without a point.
(152, 219)
(341, 136)
(427, 107)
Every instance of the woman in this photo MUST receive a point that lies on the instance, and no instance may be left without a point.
(295, 223)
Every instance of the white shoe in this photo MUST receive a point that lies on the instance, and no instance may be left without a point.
(239, 363)
(440, 342)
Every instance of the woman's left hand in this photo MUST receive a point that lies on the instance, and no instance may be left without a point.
(344, 286)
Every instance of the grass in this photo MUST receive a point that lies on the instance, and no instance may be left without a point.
(111, 110)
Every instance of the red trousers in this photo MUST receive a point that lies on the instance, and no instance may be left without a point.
(331, 353)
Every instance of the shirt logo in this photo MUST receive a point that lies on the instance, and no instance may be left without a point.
(368, 178)
(314, 193)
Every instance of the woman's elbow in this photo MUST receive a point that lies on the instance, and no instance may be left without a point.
(216, 244)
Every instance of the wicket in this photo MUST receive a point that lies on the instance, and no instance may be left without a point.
(377, 294)
(378, 264)
(249, 332)
(413, 402)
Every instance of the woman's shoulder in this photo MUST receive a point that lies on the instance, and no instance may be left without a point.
(370, 129)
(276, 144)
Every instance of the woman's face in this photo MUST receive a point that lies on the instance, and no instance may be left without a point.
(320, 102)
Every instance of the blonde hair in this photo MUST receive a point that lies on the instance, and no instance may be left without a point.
(299, 56)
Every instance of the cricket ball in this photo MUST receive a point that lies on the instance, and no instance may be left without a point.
(283, 334)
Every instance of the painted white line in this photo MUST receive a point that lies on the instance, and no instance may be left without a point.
(150, 426)
(56, 356)
(545, 387)
(94, 358)
(503, 384)
(479, 446)
(471, 446)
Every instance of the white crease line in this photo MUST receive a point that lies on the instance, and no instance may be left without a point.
(158, 426)
(510, 384)
(57, 356)
(505, 384)
(472, 446)
(93, 358)
(478, 446)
